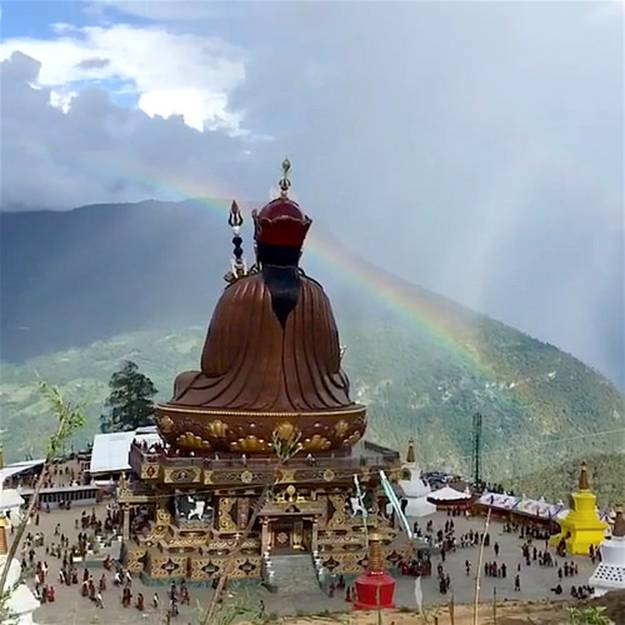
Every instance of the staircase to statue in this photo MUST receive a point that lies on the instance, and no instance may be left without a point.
(294, 573)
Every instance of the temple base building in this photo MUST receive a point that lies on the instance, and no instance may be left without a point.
(610, 574)
(262, 449)
(582, 526)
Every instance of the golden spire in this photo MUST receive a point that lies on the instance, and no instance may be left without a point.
(583, 478)
(410, 456)
(619, 523)
(284, 183)
(376, 555)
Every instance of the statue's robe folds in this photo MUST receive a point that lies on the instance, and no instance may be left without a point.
(251, 362)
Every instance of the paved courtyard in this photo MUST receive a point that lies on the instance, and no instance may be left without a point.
(70, 608)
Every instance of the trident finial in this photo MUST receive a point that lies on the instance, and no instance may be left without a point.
(235, 221)
(284, 182)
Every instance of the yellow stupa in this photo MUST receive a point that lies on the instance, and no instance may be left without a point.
(582, 526)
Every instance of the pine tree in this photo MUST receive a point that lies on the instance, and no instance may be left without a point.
(130, 401)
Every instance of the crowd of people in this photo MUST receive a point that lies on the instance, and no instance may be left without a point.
(444, 541)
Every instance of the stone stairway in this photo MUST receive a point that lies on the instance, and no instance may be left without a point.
(294, 573)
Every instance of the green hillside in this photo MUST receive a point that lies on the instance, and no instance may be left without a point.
(541, 407)
(607, 479)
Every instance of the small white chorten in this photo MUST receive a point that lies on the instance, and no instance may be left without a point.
(21, 602)
(610, 574)
(414, 489)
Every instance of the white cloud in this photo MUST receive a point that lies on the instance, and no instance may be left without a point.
(99, 152)
(172, 74)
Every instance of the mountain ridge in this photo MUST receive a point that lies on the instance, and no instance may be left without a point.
(141, 282)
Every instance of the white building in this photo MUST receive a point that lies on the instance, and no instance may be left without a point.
(109, 457)
(610, 574)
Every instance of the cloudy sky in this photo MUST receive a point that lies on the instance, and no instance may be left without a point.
(474, 148)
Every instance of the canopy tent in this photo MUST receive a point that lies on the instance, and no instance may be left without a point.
(498, 500)
(449, 494)
(110, 451)
(538, 509)
(16, 468)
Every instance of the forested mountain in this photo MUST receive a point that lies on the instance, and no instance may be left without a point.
(85, 289)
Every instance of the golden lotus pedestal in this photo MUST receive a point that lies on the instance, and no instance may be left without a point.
(203, 431)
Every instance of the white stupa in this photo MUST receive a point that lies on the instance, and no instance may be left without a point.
(414, 489)
(21, 602)
(610, 574)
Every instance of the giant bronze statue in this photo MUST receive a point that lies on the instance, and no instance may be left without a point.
(270, 373)
(271, 363)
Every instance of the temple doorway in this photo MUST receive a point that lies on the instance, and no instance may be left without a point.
(291, 535)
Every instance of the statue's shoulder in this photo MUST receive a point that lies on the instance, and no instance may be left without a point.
(244, 281)
(311, 282)
(248, 284)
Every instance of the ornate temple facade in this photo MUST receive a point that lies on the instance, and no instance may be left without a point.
(262, 446)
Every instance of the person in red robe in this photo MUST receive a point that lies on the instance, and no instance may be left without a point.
(51, 594)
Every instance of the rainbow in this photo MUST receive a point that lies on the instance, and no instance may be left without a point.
(399, 297)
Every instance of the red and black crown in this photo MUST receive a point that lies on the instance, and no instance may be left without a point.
(281, 222)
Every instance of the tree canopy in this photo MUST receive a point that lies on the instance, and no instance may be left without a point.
(130, 402)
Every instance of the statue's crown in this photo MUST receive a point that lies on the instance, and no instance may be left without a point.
(282, 221)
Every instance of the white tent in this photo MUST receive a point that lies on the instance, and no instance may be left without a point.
(18, 467)
(110, 451)
(448, 494)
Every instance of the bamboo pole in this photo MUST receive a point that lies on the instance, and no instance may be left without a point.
(495, 606)
(452, 614)
(476, 598)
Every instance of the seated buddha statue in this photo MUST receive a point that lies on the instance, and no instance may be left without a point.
(272, 345)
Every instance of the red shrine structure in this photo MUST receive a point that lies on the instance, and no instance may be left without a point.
(217, 498)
